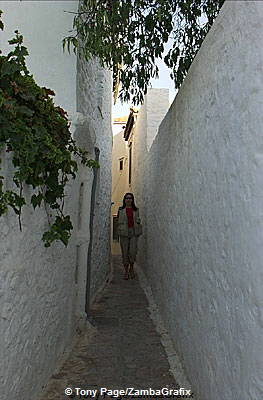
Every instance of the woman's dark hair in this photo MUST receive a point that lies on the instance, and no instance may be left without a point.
(133, 202)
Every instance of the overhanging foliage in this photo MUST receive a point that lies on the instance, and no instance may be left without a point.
(128, 36)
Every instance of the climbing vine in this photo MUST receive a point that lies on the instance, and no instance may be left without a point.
(36, 133)
(128, 36)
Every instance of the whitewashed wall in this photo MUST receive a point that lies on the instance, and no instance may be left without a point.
(43, 25)
(202, 189)
(94, 100)
(42, 291)
(151, 114)
(120, 184)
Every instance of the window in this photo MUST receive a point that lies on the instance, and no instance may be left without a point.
(115, 236)
(121, 164)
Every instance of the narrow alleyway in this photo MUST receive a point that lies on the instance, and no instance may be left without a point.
(123, 351)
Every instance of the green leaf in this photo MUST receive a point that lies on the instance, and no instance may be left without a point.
(25, 111)
(36, 200)
(13, 41)
(9, 68)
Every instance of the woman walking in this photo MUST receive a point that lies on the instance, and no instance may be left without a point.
(129, 229)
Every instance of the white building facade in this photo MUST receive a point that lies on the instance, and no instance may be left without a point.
(199, 188)
(44, 293)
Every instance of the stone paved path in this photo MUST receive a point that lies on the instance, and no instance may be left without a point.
(124, 351)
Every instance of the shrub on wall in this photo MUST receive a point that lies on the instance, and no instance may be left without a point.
(37, 133)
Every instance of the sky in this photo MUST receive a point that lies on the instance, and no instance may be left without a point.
(164, 81)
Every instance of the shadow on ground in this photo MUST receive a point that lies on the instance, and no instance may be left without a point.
(124, 350)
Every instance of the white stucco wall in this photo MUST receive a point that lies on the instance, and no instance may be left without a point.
(156, 105)
(95, 102)
(119, 180)
(43, 25)
(42, 291)
(203, 203)
(150, 116)
(119, 177)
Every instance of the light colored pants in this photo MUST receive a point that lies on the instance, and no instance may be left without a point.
(129, 247)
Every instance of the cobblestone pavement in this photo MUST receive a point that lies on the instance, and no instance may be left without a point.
(123, 351)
